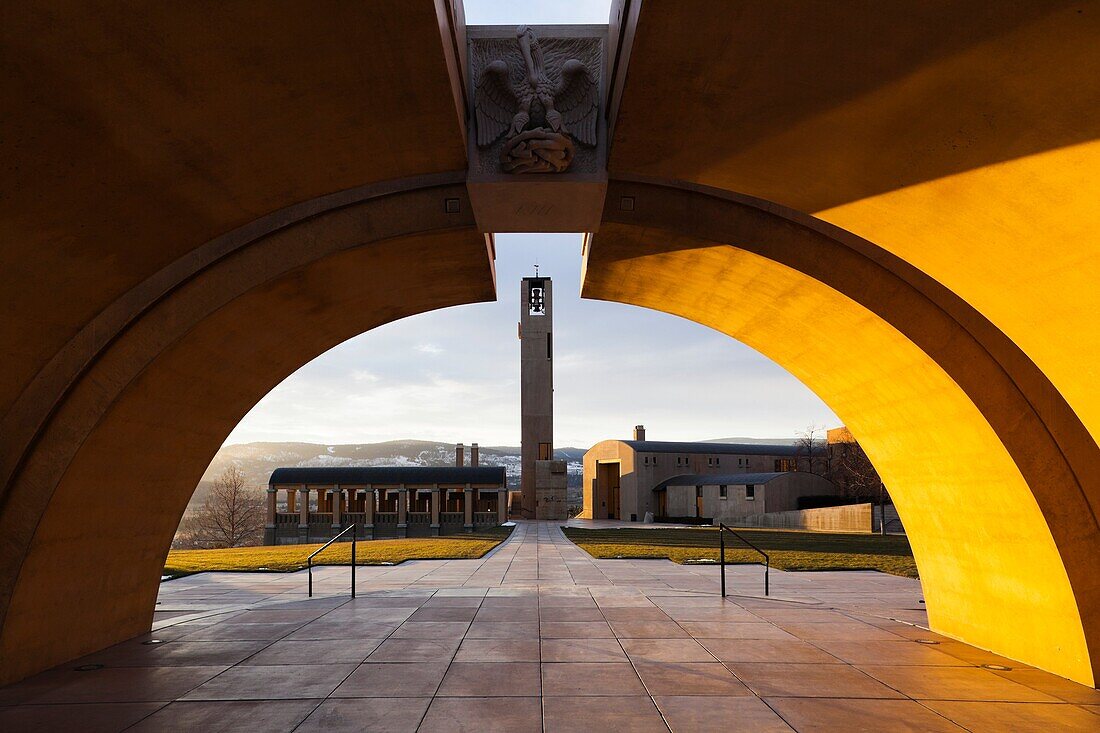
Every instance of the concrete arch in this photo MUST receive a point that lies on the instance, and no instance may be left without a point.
(992, 471)
(133, 407)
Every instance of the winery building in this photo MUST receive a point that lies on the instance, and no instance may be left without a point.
(621, 477)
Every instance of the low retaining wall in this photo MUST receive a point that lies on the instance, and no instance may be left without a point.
(849, 518)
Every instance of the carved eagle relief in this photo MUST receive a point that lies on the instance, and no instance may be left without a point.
(540, 115)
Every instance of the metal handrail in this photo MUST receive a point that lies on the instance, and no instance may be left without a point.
(722, 555)
(319, 550)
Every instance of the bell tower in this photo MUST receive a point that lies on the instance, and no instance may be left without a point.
(536, 358)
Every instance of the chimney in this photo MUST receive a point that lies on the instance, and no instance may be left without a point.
(460, 459)
(639, 432)
(473, 454)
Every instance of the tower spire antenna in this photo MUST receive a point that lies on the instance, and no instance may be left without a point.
(536, 268)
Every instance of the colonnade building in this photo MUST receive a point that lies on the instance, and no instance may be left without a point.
(385, 502)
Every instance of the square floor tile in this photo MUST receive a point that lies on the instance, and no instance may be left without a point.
(841, 715)
(575, 630)
(746, 714)
(491, 679)
(995, 717)
(444, 613)
(366, 714)
(414, 650)
(127, 684)
(767, 650)
(809, 680)
(431, 630)
(631, 613)
(666, 650)
(242, 632)
(647, 630)
(498, 650)
(503, 630)
(901, 652)
(1050, 684)
(954, 683)
(601, 715)
(273, 683)
(689, 678)
(338, 630)
(582, 650)
(736, 630)
(524, 613)
(260, 716)
(570, 613)
(584, 679)
(483, 715)
(320, 651)
(396, 679)
(87, 718)
(841, 631)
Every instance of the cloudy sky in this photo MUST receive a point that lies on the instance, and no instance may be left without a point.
(453, 375)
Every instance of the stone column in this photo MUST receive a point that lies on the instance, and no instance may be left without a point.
(337, 495)
(402, 511)
(435, 509)
(468, 508)
(291, 500)
(269, 527)
(502, 505)
(303, 515)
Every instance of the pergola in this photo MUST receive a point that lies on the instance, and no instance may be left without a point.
(384, 501)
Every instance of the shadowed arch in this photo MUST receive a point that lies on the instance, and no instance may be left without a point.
(133, 425)
(992, 472)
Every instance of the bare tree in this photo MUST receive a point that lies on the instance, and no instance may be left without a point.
(854, 474)
(231, 516)
(810, 451)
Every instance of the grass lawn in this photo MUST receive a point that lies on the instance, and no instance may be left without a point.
(372, 552)
(788, 549)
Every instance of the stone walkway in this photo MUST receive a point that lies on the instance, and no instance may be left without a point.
(538, 636)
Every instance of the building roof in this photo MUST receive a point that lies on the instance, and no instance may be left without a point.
(389, 475)
(718, 479)
(749, 449)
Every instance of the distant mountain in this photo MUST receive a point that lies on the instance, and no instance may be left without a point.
(754, 441)
(258, 460)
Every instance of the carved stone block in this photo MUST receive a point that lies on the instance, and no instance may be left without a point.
(537, 134)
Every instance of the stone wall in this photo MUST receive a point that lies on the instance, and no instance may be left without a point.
(851, 518)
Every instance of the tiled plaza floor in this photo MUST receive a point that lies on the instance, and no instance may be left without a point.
(538, 636)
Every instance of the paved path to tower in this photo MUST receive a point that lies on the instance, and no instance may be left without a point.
(539, 636)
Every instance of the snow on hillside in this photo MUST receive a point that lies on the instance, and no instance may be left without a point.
(258, 460)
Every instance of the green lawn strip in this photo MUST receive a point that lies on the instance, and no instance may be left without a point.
(788, 550)
(372, 552)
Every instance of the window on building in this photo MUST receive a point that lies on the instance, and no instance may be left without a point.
(710, 461)
(784, 464)
(750, 492)
(717, 461)
(722, 491)
(544, 451)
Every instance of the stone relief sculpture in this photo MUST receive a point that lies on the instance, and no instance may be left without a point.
(545, 102)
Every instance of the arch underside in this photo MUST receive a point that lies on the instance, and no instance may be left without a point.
(1000, 520)
(110, 473)
(961, 139)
